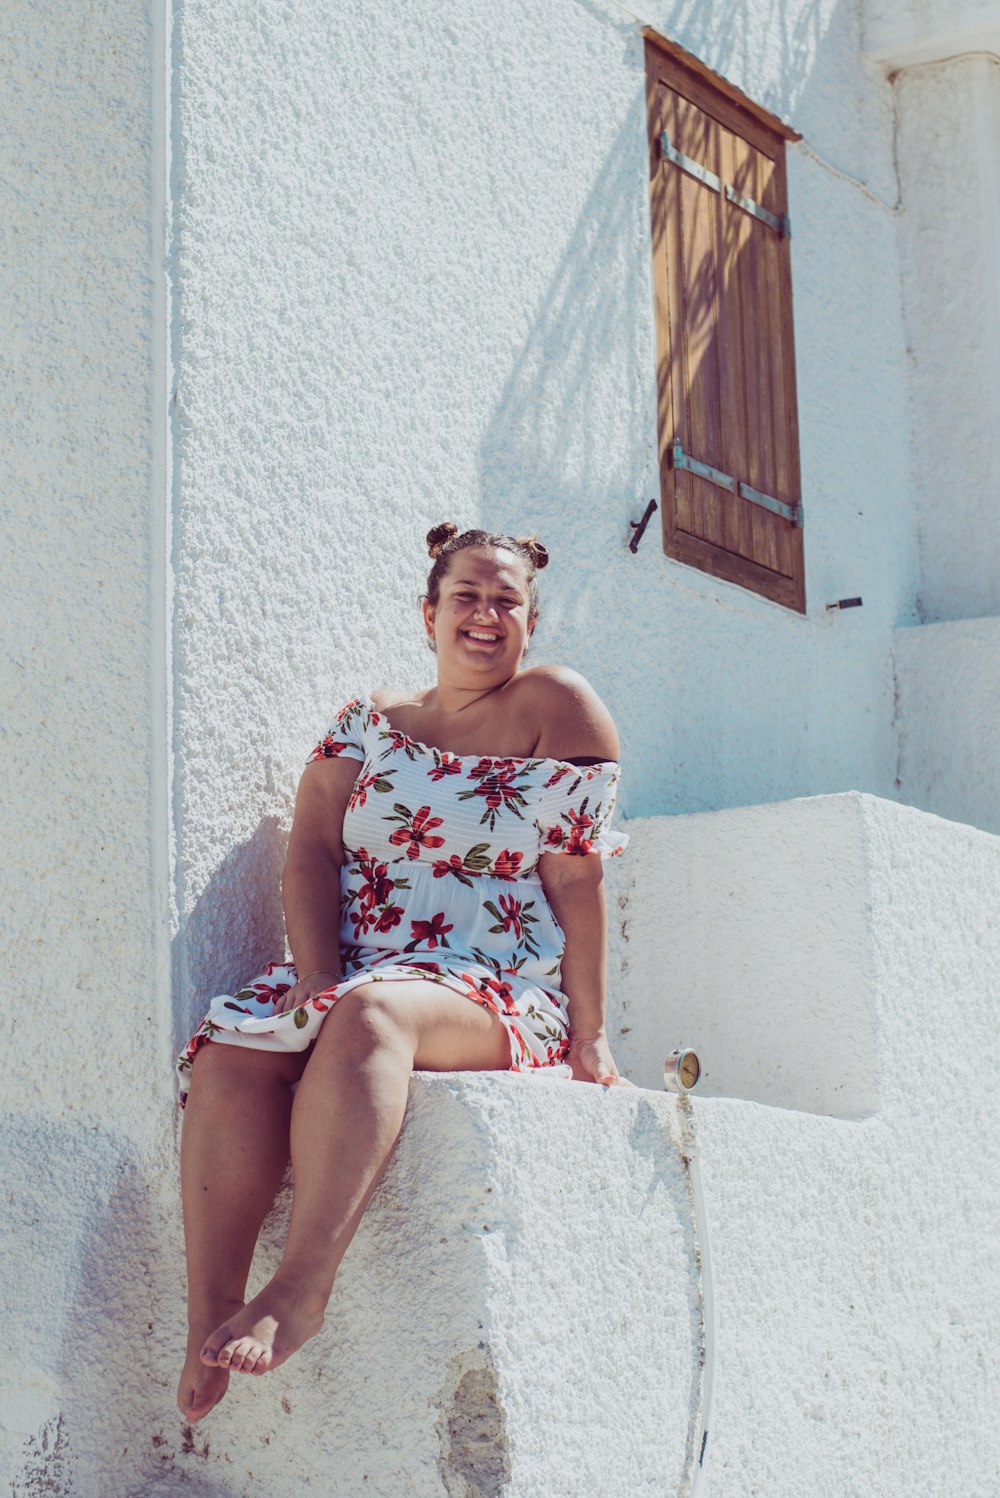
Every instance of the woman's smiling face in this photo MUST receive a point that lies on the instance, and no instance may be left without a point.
(481, 620)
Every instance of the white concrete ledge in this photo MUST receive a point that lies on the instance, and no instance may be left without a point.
(744, 933)
(837, 954)
(518, 1315)
(753, 935)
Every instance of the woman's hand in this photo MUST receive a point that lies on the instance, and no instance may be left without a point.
(591, 1059)
(307, 988)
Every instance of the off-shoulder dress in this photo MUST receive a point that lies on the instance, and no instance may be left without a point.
(440, 882)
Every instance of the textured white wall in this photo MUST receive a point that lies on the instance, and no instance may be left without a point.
(78, 679)
(948, 714)
(903, 32)
(856, 1271)
(743, 933)
(528, 1229)
(83, 912)
(411, 280)
(949, 125)
(412, 270)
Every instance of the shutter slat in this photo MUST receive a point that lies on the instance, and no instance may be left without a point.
(736, 441)
(671, 320)
(699, 207)
(758, 466)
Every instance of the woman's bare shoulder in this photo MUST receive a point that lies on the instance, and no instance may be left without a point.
(386, 698)
(573, 722)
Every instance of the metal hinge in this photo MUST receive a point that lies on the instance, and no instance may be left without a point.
(680, 459)
(689, 165)
(780, 222)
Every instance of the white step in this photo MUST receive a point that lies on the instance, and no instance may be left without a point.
(837, 955)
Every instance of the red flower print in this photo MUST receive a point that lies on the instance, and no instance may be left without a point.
(445, 764)
(376, 887)
(452, 865)
(497, 789)
(389, 917)
(562, 771)
(363, 921)
(511, 914)
(580, 825)
(366, 783)
(327, 749)
(496, 777)
(416, 830)
(429, 933)
(554, 837)
(514, 917)
(506, 767)
(507, 864)
(360, 792)
(497, 995)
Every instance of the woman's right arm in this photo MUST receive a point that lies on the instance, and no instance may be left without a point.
(310, 884)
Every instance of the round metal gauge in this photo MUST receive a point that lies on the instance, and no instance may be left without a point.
(681, 1071)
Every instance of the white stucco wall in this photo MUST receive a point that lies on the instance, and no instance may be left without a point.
(949, 125)
(903, 32)
(412, 278)
(837, 955)
(744, 934)
(948, 713)
(83, 834)
(529, 1229)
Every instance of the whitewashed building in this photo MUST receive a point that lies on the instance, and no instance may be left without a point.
(289, 282)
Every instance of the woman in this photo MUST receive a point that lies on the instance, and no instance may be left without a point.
(444, 849)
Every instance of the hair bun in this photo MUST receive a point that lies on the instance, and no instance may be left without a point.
(537, 552)
(439, 535)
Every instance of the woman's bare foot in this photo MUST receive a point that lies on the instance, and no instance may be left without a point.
(201, 1388)
(266, 1331)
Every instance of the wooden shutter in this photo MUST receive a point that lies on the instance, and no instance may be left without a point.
(726, 360)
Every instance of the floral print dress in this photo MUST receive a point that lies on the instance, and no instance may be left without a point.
(440, 882)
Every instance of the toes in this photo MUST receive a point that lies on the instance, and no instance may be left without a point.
(212, 1352)
(197, 1396)
(245, 1354)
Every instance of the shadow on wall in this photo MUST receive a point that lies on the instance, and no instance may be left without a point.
(561, 411)
(570, 449)
(783, 38)
(543, 458)
(238, 912)
(84, 1313)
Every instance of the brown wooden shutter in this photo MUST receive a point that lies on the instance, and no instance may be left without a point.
(726, 361)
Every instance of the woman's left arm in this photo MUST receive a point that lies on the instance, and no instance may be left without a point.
(574, 723)
(574, 888)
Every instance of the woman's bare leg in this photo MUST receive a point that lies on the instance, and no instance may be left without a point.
(234, 1150)
(345, 1123)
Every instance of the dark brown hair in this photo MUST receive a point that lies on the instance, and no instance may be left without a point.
(445, 539)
